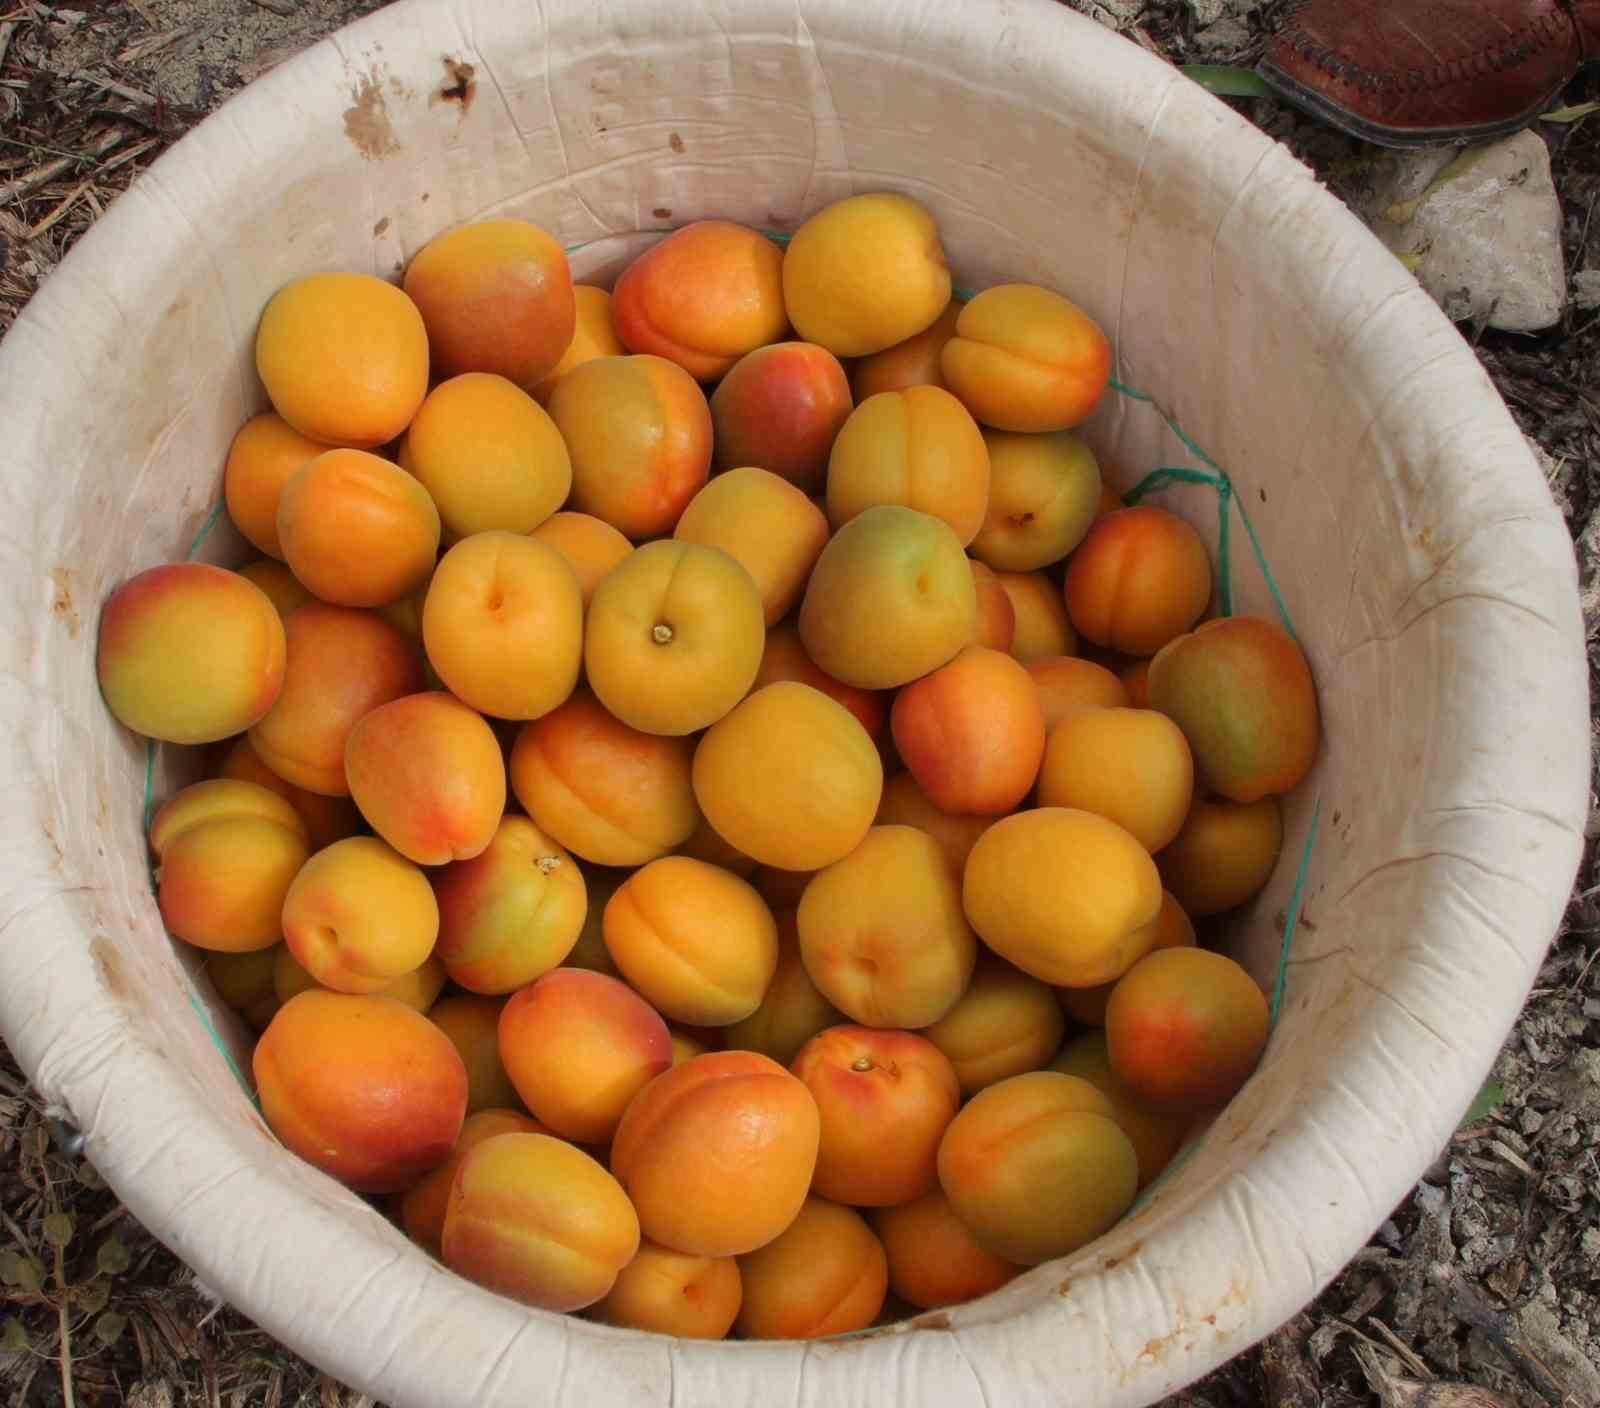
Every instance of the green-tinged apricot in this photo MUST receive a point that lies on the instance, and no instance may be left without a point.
(1224, 854)
(1155, 1135)
(1043, 491)
(1005, 1023)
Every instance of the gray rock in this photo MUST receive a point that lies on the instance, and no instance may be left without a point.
(1226, 36)
(1480, 227)
(1586, 288)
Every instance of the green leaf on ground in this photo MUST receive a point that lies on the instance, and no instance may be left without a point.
(1489, 1098)
(113, 1257)
(1227, 80)
(58, 1229)
(109, 1327)
(1572, 114)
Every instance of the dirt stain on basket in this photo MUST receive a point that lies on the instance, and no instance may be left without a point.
(63, 605)
(109, 961)
(675, 142)
(366, 121)
(460, 84)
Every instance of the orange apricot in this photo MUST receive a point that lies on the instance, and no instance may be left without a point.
(1136, 680)
(784, 658)
(792, 1011)
(264, 456)
(1171, 928)
(418, 989)
(593, 336)
(1005, 1023)
(825, 1275)
(933, 1260)
(1131, 766)
(1067, 684)
(668, 1293)
(997, 617)
(421, 1207)
(914, 362)
(1140, 578)
(591, 547)
(1156, 1135)
(283, 588)
(906, 804)
(473, 1025)
(1224, 854)
(781, 407)
(1043, 630)
(1042, 498)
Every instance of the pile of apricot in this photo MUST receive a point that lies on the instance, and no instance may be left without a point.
(706, 788)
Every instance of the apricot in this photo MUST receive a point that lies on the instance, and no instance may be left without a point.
(668, 1293)
(539, 1220)
(784, 658)
(503, 625)
(1131, 766)
(674, 637)
(1026, 359)
(512, 913)
(781, 407)
(1061, 894)
(1186, 1027)
(684, 1046)
(189, 653)
(327, 819)
(421, 1208)
(1140, 578)
(590, 951)
(264, 456)
(341, 664)
(593, 336)
(932, 1258)
(885, 1099)
(357, 530)
(825, 1275)
(579, 1046)
(226, 855)
(766, 524)
(1224, 854)
(1241, 691)
(473, 1025)
(496, 296)
(997, 618)
(865, 273)
(924, 606)
(1136, 680)
(1043, 629)
(358, 915)
(1171, 928)
(282, 587)
(1005, 1023)
(1043, 492)
(605, 791)
(705, 844)
(703, 297)
(363, 1088)
(717, 1154)
(419, 989)
(591, 547)
(344, 358)
(918, 448)
(906, 804)
(792, 1011)
(1155, 1136)
(489, 456)
(971, 732)
(244, 982)
(789, 777)
(1068, 684)
(638, 430)
(882, 931)
(914, 362)
(696, 940)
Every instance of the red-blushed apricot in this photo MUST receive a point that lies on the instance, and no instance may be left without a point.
(997, 618)
(1155, 1136)
(489, 456)
(781, 889)
(705, 844)
(1140, 578)
(781, 407)
(1043, 629)
(885, 1099)
(1036, 1166)
(282, 587)
(914, 362)
(496, 296)
(703, 297)
(1005, 1023)
(226, 855)
(341, 664)
(420, 1209)
(591, 546)
(344, 358)
(918, 448)
(1224, 854)
(593, 336)
(639, 432)
(539, 1220)
(668, 1293)
(1067, 684)
(512, 913)
(1042, 497)
(933, 1260)
(607, 792)
(820, 778)
(674, 637)
(473, 1025)
(1185, 1027)
(346, 498)
(590, 951)
(766, 524)
(696, 940)
(363, 1088)
(906, 804)
(244, 982)
(910, 566)
(825, 1275)
(1026, 359)
(1061, 894)
(189, 653)
(358, 915)
(882, 931)
(264, 456)
(792, 1011)
(1131, 766)
(1171, 928)
(578, 1047)
(1136, 680)
(717, 1154)
(1241, 690)
(418, 989)
(971, 732)
(784, 658)
(503, 625)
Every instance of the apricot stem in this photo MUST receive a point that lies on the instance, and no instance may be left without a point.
(661, 633)
(547, 863)
(861, 1063)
